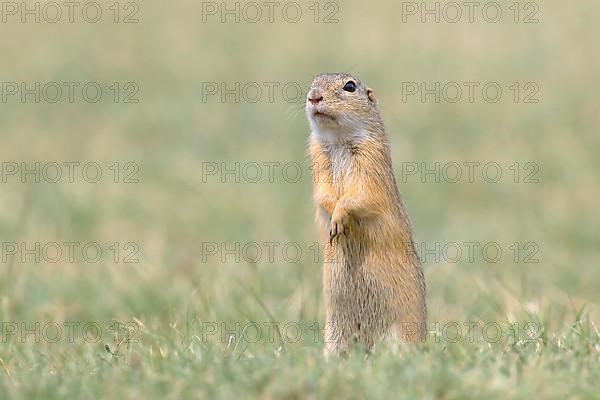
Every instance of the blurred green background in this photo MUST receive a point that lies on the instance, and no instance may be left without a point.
(173, 134)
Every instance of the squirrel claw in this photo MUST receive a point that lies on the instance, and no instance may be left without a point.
(332, 235)
(338, 227)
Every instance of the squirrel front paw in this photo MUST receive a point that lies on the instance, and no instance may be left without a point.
(339, 224)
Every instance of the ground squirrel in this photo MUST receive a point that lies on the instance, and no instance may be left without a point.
(373, 283)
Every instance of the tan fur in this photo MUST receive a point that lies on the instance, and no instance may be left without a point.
(373, 283)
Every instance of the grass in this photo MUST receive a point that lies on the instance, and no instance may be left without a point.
(164, 319)
(175, 363)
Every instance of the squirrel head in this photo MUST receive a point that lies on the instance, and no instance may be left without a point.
(340, 107)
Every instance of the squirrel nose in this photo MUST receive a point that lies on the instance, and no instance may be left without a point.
(314, 96)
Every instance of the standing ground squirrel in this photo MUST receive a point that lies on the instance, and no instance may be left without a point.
(373, 283)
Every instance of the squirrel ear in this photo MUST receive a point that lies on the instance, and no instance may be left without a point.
(371, 95)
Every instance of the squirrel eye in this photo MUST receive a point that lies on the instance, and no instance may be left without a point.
(350, 86)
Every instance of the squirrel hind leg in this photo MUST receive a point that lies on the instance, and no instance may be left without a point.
(335, 344)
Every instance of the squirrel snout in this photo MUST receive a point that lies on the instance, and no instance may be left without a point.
(315, 96)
